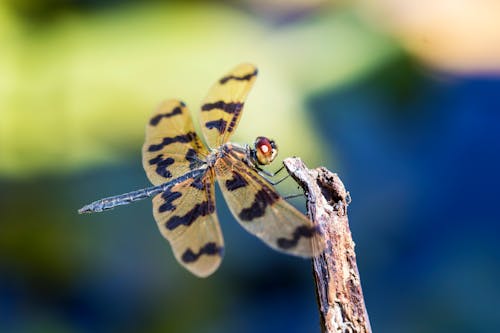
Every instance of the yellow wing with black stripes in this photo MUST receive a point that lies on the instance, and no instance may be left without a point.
(222, 108)
(186, 218)
(171, 147)
(263, 212)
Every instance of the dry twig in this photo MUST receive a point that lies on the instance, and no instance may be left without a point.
(338, 286)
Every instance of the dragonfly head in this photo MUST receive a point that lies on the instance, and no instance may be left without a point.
(265, 150)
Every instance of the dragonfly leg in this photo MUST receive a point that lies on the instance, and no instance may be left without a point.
(291, 196)
(271, 174)
(271, 181)
(268, 175)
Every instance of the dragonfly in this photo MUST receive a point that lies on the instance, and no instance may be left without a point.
(183, 171)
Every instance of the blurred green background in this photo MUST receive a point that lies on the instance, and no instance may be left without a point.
(401, 98)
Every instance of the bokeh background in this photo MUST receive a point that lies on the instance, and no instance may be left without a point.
(401, 98)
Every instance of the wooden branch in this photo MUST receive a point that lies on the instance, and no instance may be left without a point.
(338, 286)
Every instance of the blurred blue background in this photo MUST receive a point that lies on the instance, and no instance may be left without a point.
(401, 98)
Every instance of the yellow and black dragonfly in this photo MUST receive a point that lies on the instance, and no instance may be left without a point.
(184, 170)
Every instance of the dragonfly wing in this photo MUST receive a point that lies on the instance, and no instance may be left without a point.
(171, 147)
(260, 209)
(186, 218)
(223, 106)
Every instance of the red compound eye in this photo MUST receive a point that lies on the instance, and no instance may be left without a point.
(264, 145)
